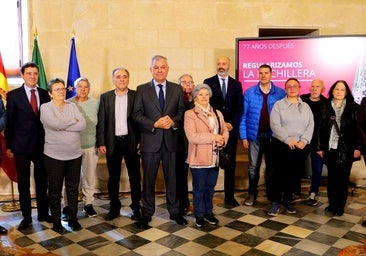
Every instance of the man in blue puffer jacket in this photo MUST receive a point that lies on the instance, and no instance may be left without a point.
(254, 128)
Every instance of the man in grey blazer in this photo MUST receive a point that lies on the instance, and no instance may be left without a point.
(117, 137)
(159, 109)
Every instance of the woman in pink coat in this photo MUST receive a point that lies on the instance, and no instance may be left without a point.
(207, 134)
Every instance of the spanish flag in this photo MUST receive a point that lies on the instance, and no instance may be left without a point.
(7, 164)
(4, 88)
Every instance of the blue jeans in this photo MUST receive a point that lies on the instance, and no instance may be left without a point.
(256, 150)
(204, 182)
(316, 171)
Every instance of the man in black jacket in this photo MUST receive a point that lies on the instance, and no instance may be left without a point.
(227, 96)
(117, 137)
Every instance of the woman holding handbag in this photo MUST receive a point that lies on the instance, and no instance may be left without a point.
(339, 143)
(207, 134)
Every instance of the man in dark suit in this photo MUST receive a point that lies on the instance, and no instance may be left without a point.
(24, 136)
(117, 137)
(3, 119)
(159, 109)
(227, 96)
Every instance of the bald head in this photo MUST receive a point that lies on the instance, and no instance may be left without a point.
(223, 66)
(316, 89)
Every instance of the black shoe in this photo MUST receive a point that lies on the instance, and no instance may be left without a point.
(3, 230)
(112, 215)
(136, 214)
(57, 226)
(46, 218)
(65, 214)
(201, 222)
(339, 212)
(363, 223)
(74, 224)
(329, 209)
(24, 224)
(90, 210)
(143, 223)
(232, 202)
(210, 218)
(179, 219)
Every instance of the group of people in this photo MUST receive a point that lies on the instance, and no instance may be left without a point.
(63, 138)
(287, 127)
(182, 126)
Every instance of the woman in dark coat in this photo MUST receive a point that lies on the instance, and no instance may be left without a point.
(339, 143)
(362, 132)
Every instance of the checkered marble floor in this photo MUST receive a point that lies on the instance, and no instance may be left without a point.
(242, 230)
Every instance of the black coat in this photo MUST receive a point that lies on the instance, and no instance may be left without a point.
(348, 129)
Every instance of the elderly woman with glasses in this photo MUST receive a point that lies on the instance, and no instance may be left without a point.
(292, 124)
(206, 133)
(63, 123)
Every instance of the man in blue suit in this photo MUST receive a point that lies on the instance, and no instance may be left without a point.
(24, 136)
(227, 96)
(158, 110)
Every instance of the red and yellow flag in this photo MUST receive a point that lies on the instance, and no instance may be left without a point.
(7, 164)
(4, 88)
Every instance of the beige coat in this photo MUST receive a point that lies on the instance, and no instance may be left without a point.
(200, 139)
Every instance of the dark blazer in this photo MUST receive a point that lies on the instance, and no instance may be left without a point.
(24, 131)
(147, 111)
(232, 106)
(106, 122)
(362, 126)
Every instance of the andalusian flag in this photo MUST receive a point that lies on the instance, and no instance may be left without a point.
(4, 88)
(37, 58)
(7, 164)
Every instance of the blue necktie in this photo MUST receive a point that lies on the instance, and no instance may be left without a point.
(223, 88)
(161, 97)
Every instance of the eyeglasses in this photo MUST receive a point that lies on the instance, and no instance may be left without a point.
(292, 87)
(187, 82)
(58, 90)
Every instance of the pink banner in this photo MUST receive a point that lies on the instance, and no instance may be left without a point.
(328, 58)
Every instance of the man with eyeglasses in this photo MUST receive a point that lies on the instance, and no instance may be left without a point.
(24, 136)
(187, 83)
(254, 128)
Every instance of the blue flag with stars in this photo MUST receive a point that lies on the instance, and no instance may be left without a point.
(74, 72)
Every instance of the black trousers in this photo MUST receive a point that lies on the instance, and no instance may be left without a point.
(23, 164)
(338, 180)
(285, 173)
(60, 171)
(150, 163)
(182, 180)
(229, 174)
(114, 164)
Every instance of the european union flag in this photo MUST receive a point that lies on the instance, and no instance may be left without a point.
(74, 72)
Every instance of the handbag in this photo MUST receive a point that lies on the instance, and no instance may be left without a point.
(224, 159)
(342, 148)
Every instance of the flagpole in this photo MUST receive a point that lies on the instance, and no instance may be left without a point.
(13, 205)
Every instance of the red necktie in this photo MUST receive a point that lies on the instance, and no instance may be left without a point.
(33, 102)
